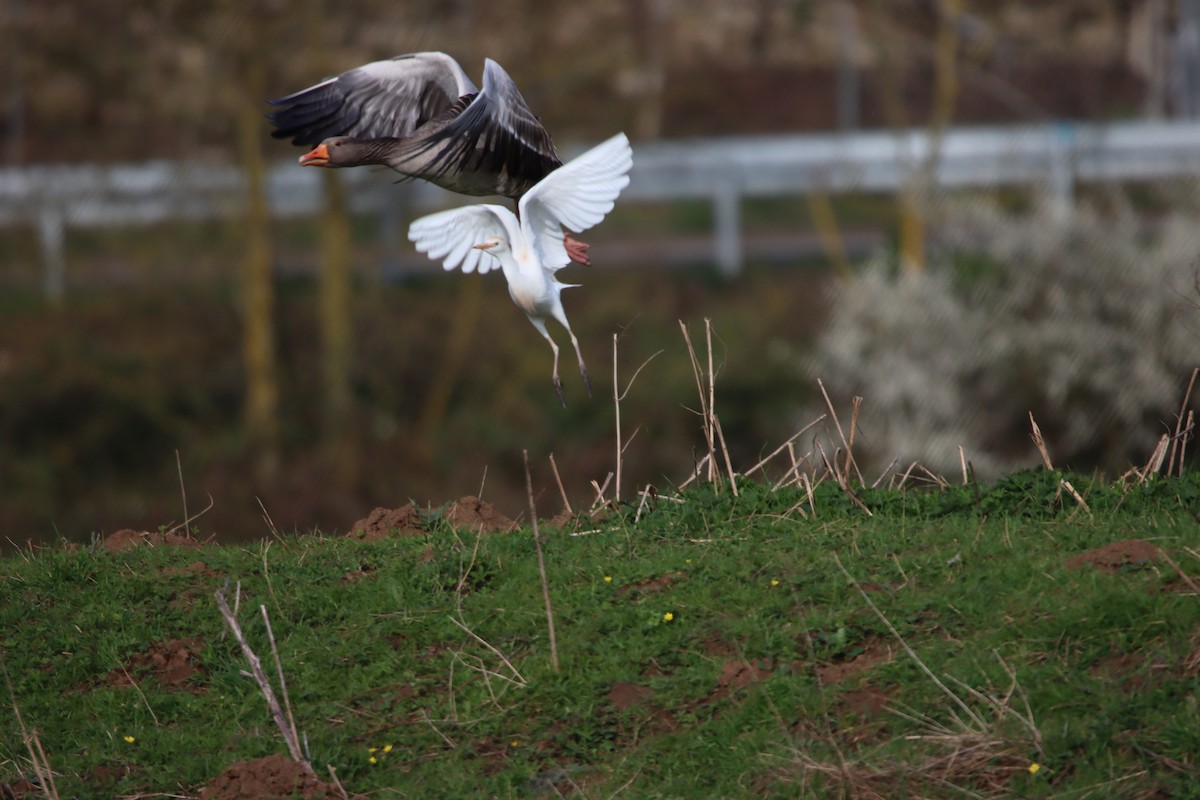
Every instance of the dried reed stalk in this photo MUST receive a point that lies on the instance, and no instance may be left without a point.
(1039, 442)
(617, 398)
(264, 685)
(705, 402)
(1177, 440)
(537, 543)
(33, 745)
(561, 491)
(844, 478)
(783, 446)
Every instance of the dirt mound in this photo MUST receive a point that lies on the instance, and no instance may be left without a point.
(405, 521)
(1112, 557)
(173, 664)
(271, 778)
(469, 513)
(477, 515)
(874, 653)
(128, 539)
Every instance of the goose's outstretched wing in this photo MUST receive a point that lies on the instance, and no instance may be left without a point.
(575, 196)
(496, 133)
(384, 98)
(450, 236)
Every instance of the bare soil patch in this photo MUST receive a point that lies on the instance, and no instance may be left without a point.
(467, 512)
(1113, 557)
(381, 522)
(477, 515)
(270, 778)
(173, 663)
(127, 539)
(874, 653)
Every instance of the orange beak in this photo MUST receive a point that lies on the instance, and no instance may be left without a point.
(318, 157)
(484, 246)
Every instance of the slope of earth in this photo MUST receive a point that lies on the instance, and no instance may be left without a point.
(986, 641)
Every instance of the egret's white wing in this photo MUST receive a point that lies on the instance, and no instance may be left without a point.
(450, 236)
(575, 196)
(384, 98)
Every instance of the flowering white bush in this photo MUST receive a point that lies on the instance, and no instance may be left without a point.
(1082, 318)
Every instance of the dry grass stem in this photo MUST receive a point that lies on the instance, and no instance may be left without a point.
(617, 398)
(792, 475)
(337, 784)
(642, 504)
(189, 520)
(696, 472)
(270, 522)
(287, 703)
(561, 491)
(891, 465)
(600, 489)
(537, 543)
(856, 402)
(912, 653)
(962, 460)
(855, 410)
(264, 685)
(1181, 432)
(182, 488)
(707, 416)
(520, 679)
(830, 466)
(1188, 432)
(33, 746)
(1035, 433)
(783, 446)
(142, 695)
(1183, 575)
(725, 453)
(1065, 484)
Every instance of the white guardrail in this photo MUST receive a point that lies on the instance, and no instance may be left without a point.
(54, 199)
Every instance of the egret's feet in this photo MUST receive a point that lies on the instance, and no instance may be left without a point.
(558, 392)
(587, 381)
(577, 250)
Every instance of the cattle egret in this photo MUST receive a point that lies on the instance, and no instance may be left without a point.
(529, 248)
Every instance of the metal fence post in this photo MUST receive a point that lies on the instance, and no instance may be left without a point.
(51, 234)
(727, 221)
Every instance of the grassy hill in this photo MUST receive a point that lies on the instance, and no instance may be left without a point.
(972, 641)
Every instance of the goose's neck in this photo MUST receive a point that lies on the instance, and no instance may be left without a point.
(374, 151)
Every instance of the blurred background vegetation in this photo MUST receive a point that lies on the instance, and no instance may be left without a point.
(315, 368)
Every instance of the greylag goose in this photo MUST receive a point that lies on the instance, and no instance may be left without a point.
(529, 248)
(421, 115)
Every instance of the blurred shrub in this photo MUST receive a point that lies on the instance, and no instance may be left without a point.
(1081, 317)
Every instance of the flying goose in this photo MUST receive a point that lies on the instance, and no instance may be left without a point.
(421, 115)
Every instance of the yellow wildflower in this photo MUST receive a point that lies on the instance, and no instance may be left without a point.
(130, 739)
(608, 578)
(387, 748)
(373, 760)
(1034, 767)
(774, 581)
(667, 617)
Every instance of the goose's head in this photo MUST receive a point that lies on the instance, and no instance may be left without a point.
(347, 151)
(493, 245)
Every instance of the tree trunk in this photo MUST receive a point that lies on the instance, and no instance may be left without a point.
(335, 291)
(258, 289)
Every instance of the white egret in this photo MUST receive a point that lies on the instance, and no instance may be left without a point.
(530, 249)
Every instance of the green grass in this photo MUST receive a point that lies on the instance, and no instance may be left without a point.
(773, 677)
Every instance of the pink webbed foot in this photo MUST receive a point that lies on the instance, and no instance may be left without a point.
(577, 250)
